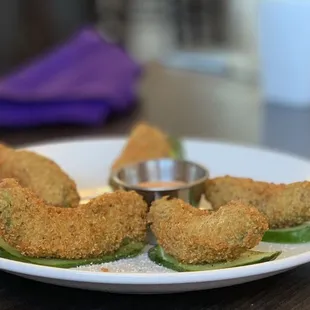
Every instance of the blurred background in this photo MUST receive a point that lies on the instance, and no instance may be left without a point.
(148, 28)
(233, 70)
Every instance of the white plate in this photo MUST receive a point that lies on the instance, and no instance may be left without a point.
(88, 163)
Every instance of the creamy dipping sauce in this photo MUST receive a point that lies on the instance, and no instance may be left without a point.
(161, 184)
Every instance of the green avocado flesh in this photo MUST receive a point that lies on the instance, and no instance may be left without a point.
(177, 150)
(128, 250)
(297, 234)
(158, 256)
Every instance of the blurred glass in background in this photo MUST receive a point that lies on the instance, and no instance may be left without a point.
(212, 36)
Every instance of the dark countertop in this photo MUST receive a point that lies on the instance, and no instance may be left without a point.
(185, 104)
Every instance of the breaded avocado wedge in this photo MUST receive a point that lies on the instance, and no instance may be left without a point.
(146, 142)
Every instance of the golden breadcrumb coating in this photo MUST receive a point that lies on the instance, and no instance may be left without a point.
(144, 143)
(43, 176)
(90, 230)
(195, 236)
(284, 205)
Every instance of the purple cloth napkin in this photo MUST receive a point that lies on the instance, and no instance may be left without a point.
(82, 81)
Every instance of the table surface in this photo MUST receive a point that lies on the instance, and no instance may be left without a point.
(185, 104)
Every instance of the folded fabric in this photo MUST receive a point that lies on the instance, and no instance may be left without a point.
(82, 81)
